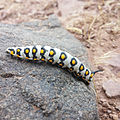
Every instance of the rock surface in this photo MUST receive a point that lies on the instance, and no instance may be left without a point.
(112, 88)
(39, 91)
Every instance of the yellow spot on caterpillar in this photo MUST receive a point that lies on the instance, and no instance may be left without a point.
(78, 74)
(26, 51)
(34, 50)
(83, 78)
(43, 59)
(88, 81)
(86, 72)
(81, 67)
(60, 64)
(62, 56)
(42, 51)
(71, 69)
(91, 75)
(18, 56)
(73, 62)
(35, 59)
(11, 52)
(51, 52)
(18, 50)
(27, 57)
(50, 60)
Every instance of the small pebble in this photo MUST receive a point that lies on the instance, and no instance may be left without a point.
(18, 1)
(102, 44)
(109, 111)
(2, 7)
(117, 108)
(114, 116)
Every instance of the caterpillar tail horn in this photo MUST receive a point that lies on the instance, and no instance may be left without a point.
(97, 71)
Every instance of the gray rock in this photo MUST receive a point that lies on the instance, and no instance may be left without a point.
(39, 91)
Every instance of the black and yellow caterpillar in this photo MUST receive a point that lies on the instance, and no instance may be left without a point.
(54, 56)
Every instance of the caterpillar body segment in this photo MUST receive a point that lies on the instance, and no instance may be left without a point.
(44, 53)
(27, 52)
(54, 56)
(64, 59)
(36, 52)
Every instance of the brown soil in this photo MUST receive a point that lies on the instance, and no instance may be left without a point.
(96, 23)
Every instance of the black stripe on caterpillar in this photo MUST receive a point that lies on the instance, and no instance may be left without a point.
(54, 56)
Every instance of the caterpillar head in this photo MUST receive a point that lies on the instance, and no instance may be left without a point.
(10, 50)
(92, 74)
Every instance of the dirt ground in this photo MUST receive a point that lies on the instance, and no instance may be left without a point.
(96, 23)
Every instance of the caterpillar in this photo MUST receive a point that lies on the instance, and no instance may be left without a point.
(54, 56)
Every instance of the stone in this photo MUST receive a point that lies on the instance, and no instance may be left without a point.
(31, 90)
(117, 107)
(112, 88)
(114, 116)
(109, 111)
(2, 7)
(18, 1)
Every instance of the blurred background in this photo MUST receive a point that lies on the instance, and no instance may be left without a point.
(95, 23)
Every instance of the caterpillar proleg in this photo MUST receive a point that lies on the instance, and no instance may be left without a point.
(54, 56)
